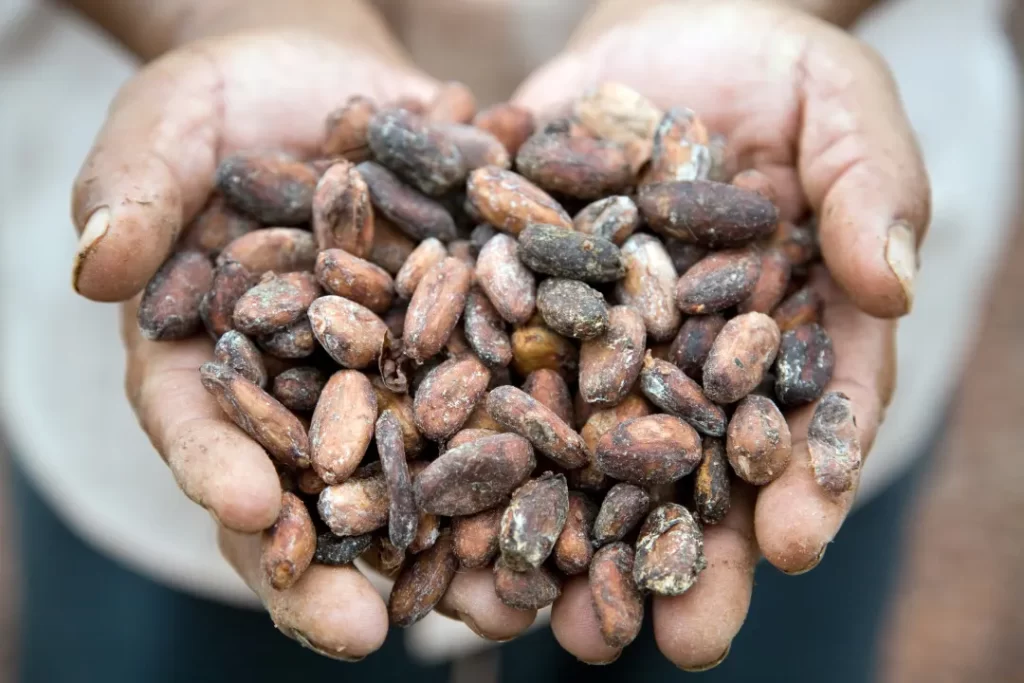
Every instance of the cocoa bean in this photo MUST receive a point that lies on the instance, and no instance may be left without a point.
(464, 436)
(599, 423)
(622, 509)
(258, 414)
(573, 549)
(275, 303)
(435, 308)
(649, 286)
(798, 242)
(415, 214)
(346, 130)
(280, 250)
(216, 226)
(169, 309)
(422, 583)
(509, 285)
(684, 255)
(657, 449)
(448, 395)
(581, 167)
(401, 406)
(271, 188)
(477, 147)
(611, 218)
(679, 150)
(519, 412)
(454, 102)
(550, 389)
(720, 280)
(711, 488)
(391, 248)
(618, 603)
(365, 283)
(802, 307)
(536, 346)
(611, 363)
(286, 549)
(402, 514)
(771, 283)
(669, 551)
(572, 308)
(711, 214)
(429, 252)
(668, 387)
(428, 530)
(565, 253)
(230, 281)
(239, 353)
(758, 443)
(741, 355)
(533, 521)
(309, 482)
(356, 506)
(342, 211)
(527, 590)
(510, 123)
(834, 443)
(342, 425)
(294, 341)
(475, 476)
(756, 181)
(335, 551)
(510, 202)
(351, 334)
(485, 330)
(804, 365)
(690, 349)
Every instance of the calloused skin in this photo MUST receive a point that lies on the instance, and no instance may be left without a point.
(799, 99)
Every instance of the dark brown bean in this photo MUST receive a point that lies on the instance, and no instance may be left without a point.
(239, 353)
(421, 154)
(415, 214)
(402, 513)
(230, 281)
(690, 349)
(346, 129)
(622, 509)
(477, 147)
(526, 590)
(561, 252)
(599, 423)
(572, 308)
(476, 538)
(435, 308)
(834, 443)
(485, 330)
(668, 387)
(429, 252)
(294, 341)
(533, 521)
(803, 307)
(299, 388)
(720, 280)
(335, 551)
(519, 412)
(170, 305)
(279, 250)
(612, 218)
(422, 583)
(271, 188)
(708, 213)
(573, 549)
(771, 283)
(711, 488)
(216, 226)
(286, 549)
(536, 346)
(657, 449)
(580, 167)
(549, 387)
(804, 365)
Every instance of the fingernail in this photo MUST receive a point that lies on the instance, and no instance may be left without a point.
(305, 642)
(812, 565)
(95, 228)
(712, 665)
(607, 661)
(901, 255)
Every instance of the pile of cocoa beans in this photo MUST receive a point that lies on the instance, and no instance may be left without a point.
(459, 365)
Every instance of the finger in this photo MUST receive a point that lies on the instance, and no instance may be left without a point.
(795, 518)
(471, 599)
(334, 611)
(695, 629)
(575, 625)
(214, 462)
(862, 171)
(150, 168)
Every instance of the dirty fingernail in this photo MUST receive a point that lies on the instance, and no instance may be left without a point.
(812, 565)
(95, 228)
(901, 255)
(708, 667)
(305, 642)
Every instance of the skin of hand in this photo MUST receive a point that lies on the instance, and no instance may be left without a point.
(818, 112)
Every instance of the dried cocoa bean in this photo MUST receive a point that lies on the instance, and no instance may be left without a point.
(239, 353)
(611, 218)
(386, 558)
(294, 341)
(711, 488)
(680, 150)
(402, 514)
(346, 130)
(435, 308)
(690, 349)
(279, 250)
(277, 302)
(485, 330)
(365, 283)
(669, 551)
(649, 286)
(834, 443)
(510, 123)
(475, 476)
(477, 147)
(391, 248)
(756, 181)
(804, 365)
(572, 308)
(356, 506)
(668, 387)
(611, 363)
(758, 443)
(684, 255)
(454, 102)
(622, 509)
(510, 202)
(350, 333)
(419, 153)
(342, 212)
(415, 214)
(464, 436)
(216, 226)
(526, 590)
(271, 188)
(798, 242)
(169, 309)
(533, 521)
(711, 214)
(581, 167)
(771, 283)
(657, 449)
(448, 395)
(428, 530)
(422, 583)
(573, 549)
(739, 358)
(428, 253)
(476, 538)
(720, 280)
(286, 549)
(803, 307)
(565, 253)
(536, 346)
(519, 412)
(548, 387)
(230, 281)
(618, 603)
(509, 285)
(258, 414)
(342, 425)
(309, 482)
(335, 551)
(599, 423)
(401, 406)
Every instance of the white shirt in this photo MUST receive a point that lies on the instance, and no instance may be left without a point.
(61, 362)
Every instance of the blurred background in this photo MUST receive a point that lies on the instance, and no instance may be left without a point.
(956, 597)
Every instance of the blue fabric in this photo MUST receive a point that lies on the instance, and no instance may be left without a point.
(85, 618)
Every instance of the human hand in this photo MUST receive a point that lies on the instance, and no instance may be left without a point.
(817, 112)
(149, 172)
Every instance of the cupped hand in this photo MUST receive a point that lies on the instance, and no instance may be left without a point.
(149, 172)
(818, 112)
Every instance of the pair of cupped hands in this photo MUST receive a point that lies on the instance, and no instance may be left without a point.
(798, 98)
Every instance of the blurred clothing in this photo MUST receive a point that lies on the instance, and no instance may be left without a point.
(61, 361)
(114, 625)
